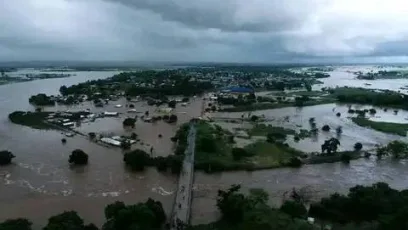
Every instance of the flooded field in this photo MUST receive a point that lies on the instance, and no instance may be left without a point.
(41, 176)
(298, 118)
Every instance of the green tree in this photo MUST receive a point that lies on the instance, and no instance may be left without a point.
(239, 153)
(137, 160)
(358, 146)
(326, 128)
(172, 104)
(330, 146)
(112, 210)
(129, 122)
(16, 224)
(254, 118)
(78, 157)
(65, 221)
(294, 209)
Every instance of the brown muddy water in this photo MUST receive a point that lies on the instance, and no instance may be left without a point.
(41, 179)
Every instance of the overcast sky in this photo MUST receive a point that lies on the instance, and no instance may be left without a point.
(204, 30)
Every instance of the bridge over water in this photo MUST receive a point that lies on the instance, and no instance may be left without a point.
(180, 216)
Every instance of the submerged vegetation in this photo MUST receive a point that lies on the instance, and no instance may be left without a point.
(6, 157)
(138, 160)
(386, 127)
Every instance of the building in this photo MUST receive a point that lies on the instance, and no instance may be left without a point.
(110, 141)
(110, 114)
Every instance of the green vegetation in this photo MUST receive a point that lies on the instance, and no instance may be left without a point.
(375, 207)
(6, 157)
(330, 146)
(263, 130)
(31, 119)
(396, 149)
(78, 157)
(138, 160)
(386, 127)
(371, 97)
(39, 120)
(215, 150)
(148, 215)
(303, 98)
(283, 104)
(243, 212)
(382, 75)
(271, 155)
(142, 83)
(130, 122)
(378, 206)
(16, 224)
(41, 100)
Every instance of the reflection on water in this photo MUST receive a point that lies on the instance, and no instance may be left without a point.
(41, 176)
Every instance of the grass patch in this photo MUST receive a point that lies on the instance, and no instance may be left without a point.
(214, 152)
(386, 127)
(270, 155)
(263, 130)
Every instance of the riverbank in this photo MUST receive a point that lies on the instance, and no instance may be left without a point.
(266, 105)
(386, 127)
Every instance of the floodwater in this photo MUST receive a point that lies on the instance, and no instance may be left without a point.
(343, 76)
(41, 179)
(298, 118)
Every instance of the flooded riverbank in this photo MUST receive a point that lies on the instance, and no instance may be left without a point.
(41, 177)
(322, 180)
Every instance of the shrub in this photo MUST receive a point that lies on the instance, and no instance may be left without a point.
(6, 157)
(326, 128)
(254, 118)
(137, 160)
(92, 135)
(345, 158)
(129, 122)
(173, 118)
(239, 153)
(294, 162)
(358, 146)
(294, 209)
(172, 104)
(372, 111)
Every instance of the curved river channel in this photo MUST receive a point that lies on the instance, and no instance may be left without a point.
(41, 179)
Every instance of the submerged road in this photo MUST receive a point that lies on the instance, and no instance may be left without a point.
(181, 210)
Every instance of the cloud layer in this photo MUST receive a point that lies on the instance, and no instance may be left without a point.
(203, 30)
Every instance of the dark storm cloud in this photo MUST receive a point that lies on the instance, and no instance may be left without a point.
(202, 30)
(226, 15)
